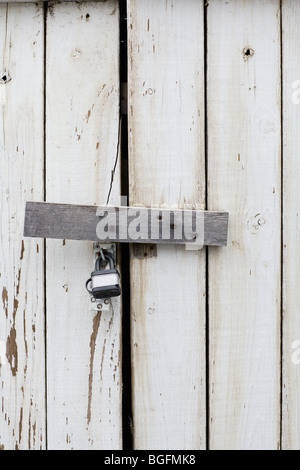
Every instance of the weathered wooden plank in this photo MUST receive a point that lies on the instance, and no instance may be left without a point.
(291, 225)
(244, 142)
(125, 224)
(82, 127)
(22, 354)
(166, 167)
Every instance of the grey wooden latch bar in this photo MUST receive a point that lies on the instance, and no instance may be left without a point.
(125, 224)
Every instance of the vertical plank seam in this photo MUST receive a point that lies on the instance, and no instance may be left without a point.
(282, 231)
(120, 123)
(206, 206)
(127, 435)
(45, 10)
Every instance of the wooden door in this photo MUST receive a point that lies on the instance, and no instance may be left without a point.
(201, 351)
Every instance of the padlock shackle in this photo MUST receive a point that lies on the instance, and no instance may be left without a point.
(108, 258)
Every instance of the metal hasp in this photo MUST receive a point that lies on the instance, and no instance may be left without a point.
(104, 283)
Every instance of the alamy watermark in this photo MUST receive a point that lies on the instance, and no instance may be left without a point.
(151, 225)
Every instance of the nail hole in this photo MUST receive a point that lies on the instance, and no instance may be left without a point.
(248, 52)
(5, 78)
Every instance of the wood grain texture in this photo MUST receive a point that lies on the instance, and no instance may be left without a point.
(244, 142)
(291, 225)
(82, 126)
(125, 224)
(166, 166)
(22, 354)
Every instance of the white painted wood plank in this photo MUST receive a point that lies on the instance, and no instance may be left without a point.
(291, 225)
(243, 81)
(22, 354)
(83, 350)
(166, 159)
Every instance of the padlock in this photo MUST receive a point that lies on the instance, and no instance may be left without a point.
(104, 283)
